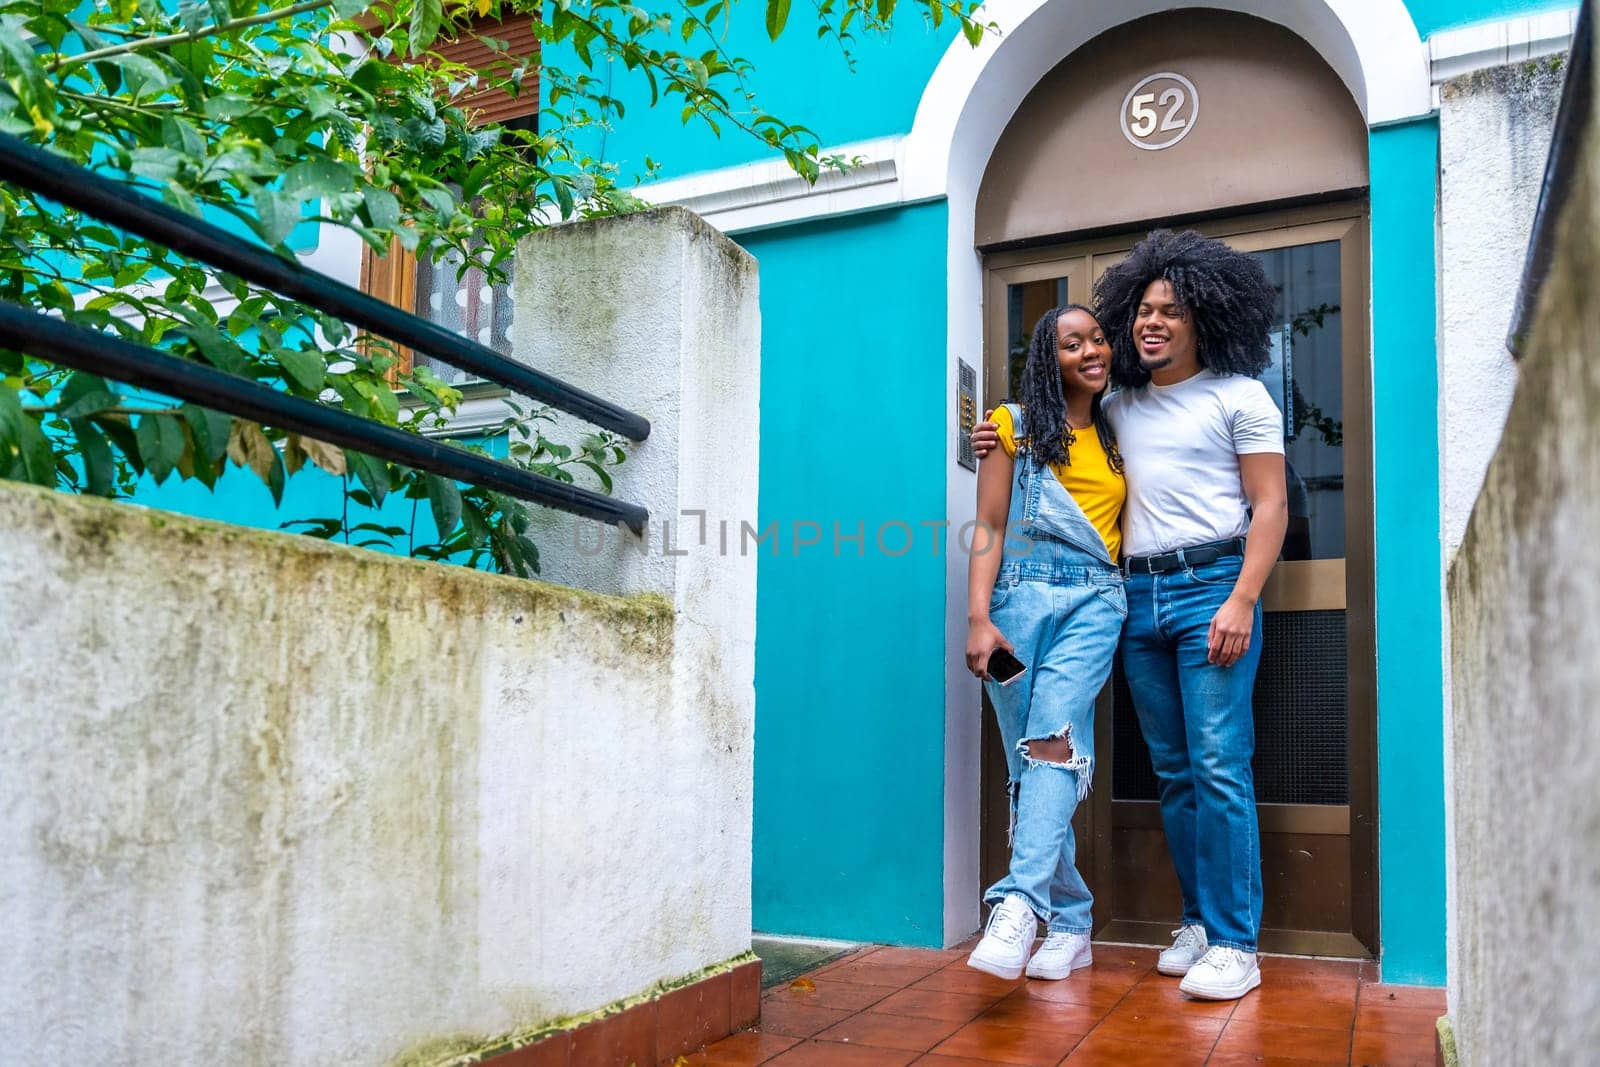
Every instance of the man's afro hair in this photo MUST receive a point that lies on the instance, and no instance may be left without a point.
(1226, 293)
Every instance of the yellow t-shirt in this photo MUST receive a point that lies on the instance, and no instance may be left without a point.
(1099, 490)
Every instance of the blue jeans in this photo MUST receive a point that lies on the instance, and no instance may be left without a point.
(1062, 610)
(1197, 721)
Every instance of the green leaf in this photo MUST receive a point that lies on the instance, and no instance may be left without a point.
(180, 136)
(349, 9)
(192, 15)
(19, 55)
(221, 352)
(441, 200)
(373, 473)
(161, 443)
(426, 17)
(34, 461)
(276, 477)
(84, 395)
(445, 499)
(276, 215)
(91, 40)
(383, 208)
(210, 431)
(326, 529)
(776, 15)
(563, 197)
(227, 107)
(530, 552)
(99, 471)
(195, 56)
(475, 528)
(157, 163)
(119, 431)
(599, 472)
(305, 369)
(141, 74)
(317, 178)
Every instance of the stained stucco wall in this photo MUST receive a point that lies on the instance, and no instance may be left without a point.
(271, 801)
(1525, 608)
(1494, 134)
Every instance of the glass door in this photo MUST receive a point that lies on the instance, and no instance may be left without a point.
(1314, 701)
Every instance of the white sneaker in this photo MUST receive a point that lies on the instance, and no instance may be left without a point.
(1223, 973)
(1060, 955)
(1186, 950)
(1006, 940)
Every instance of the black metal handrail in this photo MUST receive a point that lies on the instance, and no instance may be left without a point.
(76, 346)
(46, 337)
(1566, 146)
(61, 180)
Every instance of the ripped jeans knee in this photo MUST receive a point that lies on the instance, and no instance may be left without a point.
(1057, 753)
(1061, 757)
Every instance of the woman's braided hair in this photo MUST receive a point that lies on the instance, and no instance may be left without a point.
(1225, 292)
(1044, 404)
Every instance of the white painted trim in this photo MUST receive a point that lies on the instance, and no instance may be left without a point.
(473, 415)
(759, 195)
(1452, 53)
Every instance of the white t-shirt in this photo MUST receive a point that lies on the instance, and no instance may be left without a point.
(1180, 447)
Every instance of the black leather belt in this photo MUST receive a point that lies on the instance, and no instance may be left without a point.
(1184, 557)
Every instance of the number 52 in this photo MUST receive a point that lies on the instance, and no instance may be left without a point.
(1144, 116)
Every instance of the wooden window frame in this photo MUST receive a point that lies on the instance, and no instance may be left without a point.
(392, 276)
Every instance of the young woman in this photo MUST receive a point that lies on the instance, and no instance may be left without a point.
(1044, 586)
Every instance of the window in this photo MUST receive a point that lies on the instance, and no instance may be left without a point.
(467, 305)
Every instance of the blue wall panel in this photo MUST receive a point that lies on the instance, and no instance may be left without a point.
(798, 78)
(850, 648)
(1433, 15)
(1404, 168)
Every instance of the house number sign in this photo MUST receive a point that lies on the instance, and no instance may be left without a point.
(1159, 111)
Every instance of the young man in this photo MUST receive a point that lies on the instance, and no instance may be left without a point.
(1202, 447)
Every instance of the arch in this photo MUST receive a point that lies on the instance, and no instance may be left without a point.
(1371, 44)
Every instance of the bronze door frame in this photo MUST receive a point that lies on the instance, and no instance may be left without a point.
(1294, 585)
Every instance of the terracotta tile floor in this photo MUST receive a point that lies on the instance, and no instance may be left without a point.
(892, 1006)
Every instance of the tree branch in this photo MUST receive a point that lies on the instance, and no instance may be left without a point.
(144, 44)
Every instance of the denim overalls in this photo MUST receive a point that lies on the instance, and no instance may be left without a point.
(1059, 600)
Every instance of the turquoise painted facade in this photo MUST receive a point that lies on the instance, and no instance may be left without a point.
(849, 829)
(799, 79)
(1434, 15)
(851, 650)
(1405, 389)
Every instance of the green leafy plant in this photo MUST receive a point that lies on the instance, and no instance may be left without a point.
(326, 113)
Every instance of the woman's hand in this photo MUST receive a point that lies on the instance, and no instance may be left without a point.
(986, 435)
(982, 639)
(1231, 628)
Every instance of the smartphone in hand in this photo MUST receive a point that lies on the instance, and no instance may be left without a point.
(1004, 667)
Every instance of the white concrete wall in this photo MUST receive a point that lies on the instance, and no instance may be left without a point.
(265, 800)
(1494, 134)
(1525, 611)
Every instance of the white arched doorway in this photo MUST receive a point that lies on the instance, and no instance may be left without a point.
(1374, 49)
